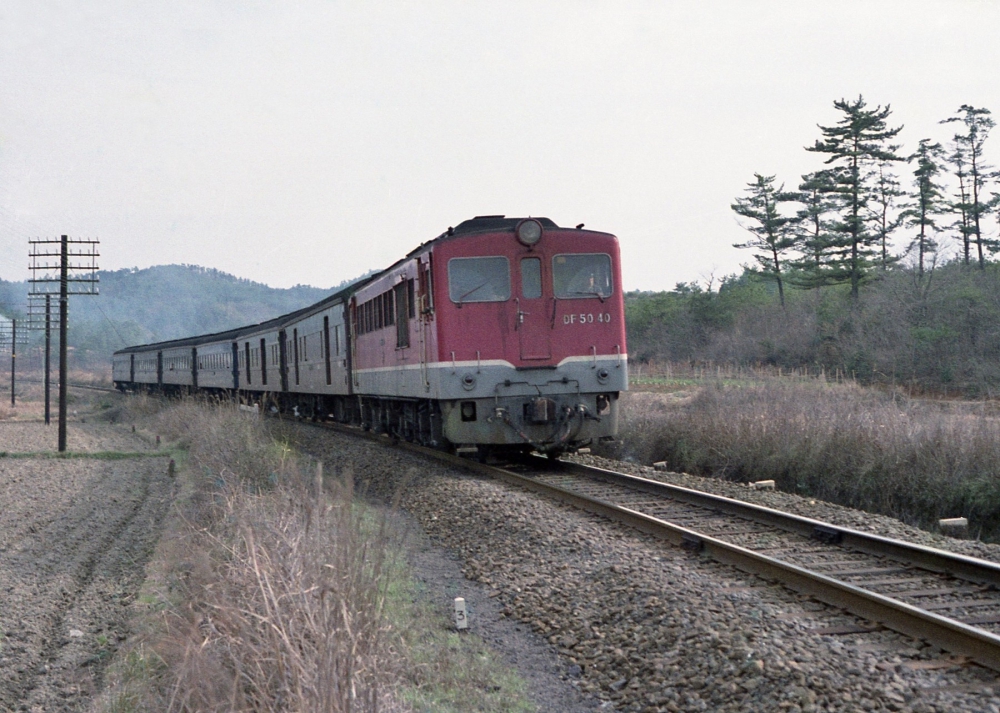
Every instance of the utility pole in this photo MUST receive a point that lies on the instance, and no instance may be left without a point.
(8, 333)
(13, 359)
(48, 344)
(63, 324)
(78, 278)
(39, 318)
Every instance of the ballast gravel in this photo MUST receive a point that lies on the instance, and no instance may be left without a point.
(642, 626)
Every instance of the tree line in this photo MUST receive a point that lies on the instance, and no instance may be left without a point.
(878, 265)
(839, 225)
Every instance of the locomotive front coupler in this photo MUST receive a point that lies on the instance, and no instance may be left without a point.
(560, 435)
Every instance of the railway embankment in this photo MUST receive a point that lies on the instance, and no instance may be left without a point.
(592, 614)
(643, 626)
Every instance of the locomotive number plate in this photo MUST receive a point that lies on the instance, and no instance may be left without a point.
(587, 318)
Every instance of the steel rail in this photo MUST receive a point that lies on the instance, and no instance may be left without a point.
(960, 566)
(980, 646)
(954, 636)
(75, 386)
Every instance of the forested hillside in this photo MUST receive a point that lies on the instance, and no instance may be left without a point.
(165, 302)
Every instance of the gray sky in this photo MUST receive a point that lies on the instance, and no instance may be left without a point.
(308, 142)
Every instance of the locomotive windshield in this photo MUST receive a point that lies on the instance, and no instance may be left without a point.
(478, 279)
(581, 275)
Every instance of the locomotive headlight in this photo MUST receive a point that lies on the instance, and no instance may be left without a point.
(529, 232)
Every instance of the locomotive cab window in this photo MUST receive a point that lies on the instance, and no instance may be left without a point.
(478, 279)
(531, 278)
(581, 275)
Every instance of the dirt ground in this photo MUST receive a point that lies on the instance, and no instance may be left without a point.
(75, 535)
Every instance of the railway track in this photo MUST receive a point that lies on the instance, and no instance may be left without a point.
(55, 386)
(948, 600)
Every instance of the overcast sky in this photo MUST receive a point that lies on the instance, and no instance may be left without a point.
(310, 141)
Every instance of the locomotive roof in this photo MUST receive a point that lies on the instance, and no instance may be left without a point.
(493, 222)
(479, 224)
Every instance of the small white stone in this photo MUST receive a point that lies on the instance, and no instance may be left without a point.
(954, 522)
(75, 633)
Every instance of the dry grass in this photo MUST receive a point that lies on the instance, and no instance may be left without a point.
(278, 590)
(290, 614)
(882, 452)
(275, 595)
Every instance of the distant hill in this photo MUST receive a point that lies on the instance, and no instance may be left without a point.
(166, 302)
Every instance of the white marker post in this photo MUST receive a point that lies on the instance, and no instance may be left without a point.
(461, 620)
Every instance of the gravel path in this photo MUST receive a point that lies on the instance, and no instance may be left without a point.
(642, 626)
(75, 535)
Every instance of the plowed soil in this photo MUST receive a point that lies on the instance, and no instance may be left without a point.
(75, 535)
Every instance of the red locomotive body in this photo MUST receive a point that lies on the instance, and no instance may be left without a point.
(517, 341)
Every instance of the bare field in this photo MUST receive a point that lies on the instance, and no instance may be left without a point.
(75, 534)
(22, 437)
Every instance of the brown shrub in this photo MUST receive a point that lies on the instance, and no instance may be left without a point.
(881, 452)
(280, 579)
(291, 614)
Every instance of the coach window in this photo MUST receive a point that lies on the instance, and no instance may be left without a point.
(478, 279)
(531, 278)
(402, 321)
(581, 275)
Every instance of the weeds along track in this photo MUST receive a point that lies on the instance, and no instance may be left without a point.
(948, 600)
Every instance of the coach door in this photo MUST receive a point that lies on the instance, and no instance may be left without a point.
(532, 323)
(424, 311)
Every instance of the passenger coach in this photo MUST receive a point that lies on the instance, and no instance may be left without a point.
(499, 334)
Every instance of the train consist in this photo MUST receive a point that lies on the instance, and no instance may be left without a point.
(501, 334)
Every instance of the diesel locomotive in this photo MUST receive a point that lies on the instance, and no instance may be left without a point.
(501, 334)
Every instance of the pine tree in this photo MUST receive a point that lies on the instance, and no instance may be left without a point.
(960, 204)
(977, 126)
(926, 200)
(883, 200)
(856, 144)
(814, 242)
(771, 230)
